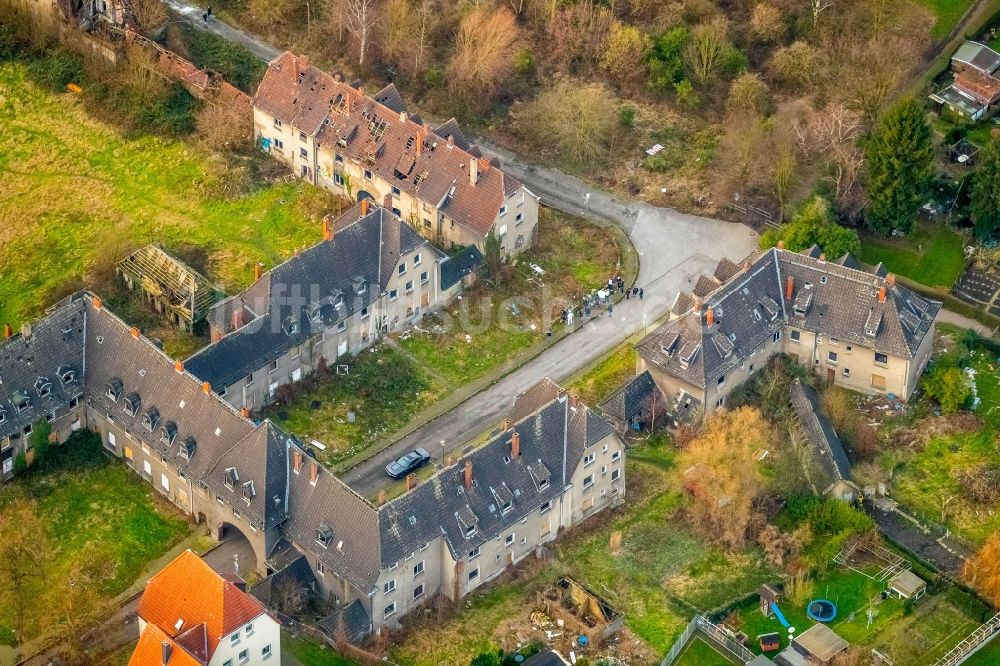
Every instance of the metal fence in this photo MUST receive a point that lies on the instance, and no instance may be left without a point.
(720, 638)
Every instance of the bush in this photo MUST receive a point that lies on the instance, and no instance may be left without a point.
(235, 62)
(827, 515)
(626, 115)
(947, 385)
(56, 69)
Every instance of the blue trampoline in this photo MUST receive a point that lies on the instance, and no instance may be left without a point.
(821, 610)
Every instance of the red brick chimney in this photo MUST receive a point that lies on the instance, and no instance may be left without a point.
(789, 288)
(411, 481)
(244, 412)
(135, 332)
(890, 280)
(296, 461)
(364, 206)
(206, 387)
(515, 445)
(178, 366)
(258, 271)
(710, 317)
(387, 201)
(238, 318)
(508, 423)
(881, 294)
(328, 229)
(361, 90)
(822, 257)
(468, 475)
(8, 331)
(98, 303)
(313, 472)
(381, 498)
(420, 142)
(781, 245)
(697, 305)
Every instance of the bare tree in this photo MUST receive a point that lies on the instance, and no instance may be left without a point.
(484, 52)
(23, 547)
(783, 175)
(818, 7)
(833, 134)
(426, 15)
(359, 17)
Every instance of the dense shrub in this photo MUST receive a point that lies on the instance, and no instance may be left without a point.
(828, 516)
(55, 69)
(237, 64)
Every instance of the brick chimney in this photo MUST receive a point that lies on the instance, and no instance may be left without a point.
(364, 206)
(573, 400)
(822, 257)
(206, 387)
(361, 90)
(420, 142)
(327, 229)
(710, 317)
(697, 305)
(98, 303)
(789, 288)
(515, 445)
(178, 366)
(347, 102)
(508, 423)
(135, 332)
(258, 271)
(451, 140)
(746, 265)
(244, 412)
(473, 170)
(781, 245)
(411, 481)
(484, 165)
(313, 472)
(468, 475)
(238, 318)
(387, 201)
(8, 331)
(451, 461)
(881, 294)
(381, 498)
(296, 461)
(890, 280)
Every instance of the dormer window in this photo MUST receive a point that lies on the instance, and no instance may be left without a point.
(113, 389)
(168, 432)
(21, 401)
(290, 325)
(131, 404)
(187, 447)
(3, 415)
(324, 535)
(67, 375)
(151, 418)
(43, 387)
(360, 285)
(232, 478)
(248, 491)
(338, 301)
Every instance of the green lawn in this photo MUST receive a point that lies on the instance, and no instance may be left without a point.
(310, 654)
(948, 12)
(599, 380)
(76, 195)
(384, 389)
(700, 653)
(931, 254)
(492, 325)
(987, 656)
(99, 512)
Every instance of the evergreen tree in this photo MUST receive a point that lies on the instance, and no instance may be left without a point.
(899, 154)
(985, 193)
(814, 224)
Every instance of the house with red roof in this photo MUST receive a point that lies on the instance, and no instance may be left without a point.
(189, 615)
(336, 136)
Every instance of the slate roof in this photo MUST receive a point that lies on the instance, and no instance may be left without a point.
(831, 299)
(353, 551)
(534, 398)
(630, 398)
(545, 658)
(456, 267)
(187, 593)
(357, 624)
(383, 137)
(831, 455)
(444, 506)
(297, 573)
(35, 363)
(298, 299)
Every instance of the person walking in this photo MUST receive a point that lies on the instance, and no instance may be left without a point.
(640, 294)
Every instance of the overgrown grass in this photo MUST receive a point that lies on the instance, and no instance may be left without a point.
(947, 12)
(384, 389)
(236, 63)
(76, 195)
(94, 510)
(492, 324)
(988, 656)
(700, 653)
(932, 254)
(310, 654)
(596, 382)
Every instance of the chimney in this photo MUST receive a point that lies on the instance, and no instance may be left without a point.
(451, 140)
(697, 305)
(822, 257)
(364, 206)
(328, 229)
(178, 366)
(451, 461)
(508, 423)
(468, 475)
(573, 400)
(303, 65)
(473, 170)
(484, 165)
(135, 332)
(98, 303)
(420, 142)
(746, 265)
(165, 651)
(206, 387)
(781, 245)
(313, 472)
(710, 317)
(381, 498)
(238, 318)
(8, 331)
(789, 288)
(244, 412)
(427, 129)
(296, 460)
(881, 294)
(515, 445)
(258, 271)
(347, 102)
(361, 90)
(411, 481)
(387, 201)
(890, 280)
(402, 116)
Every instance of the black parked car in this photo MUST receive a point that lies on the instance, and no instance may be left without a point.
(411, 462)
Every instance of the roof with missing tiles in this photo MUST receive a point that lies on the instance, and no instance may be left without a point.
(378, 132)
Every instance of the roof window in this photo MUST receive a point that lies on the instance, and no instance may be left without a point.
(151, 418)
(187, 447)
(168, 432)
(324, 535)
(114, 388)
(232, 478)
(21, 401)
(43, 386)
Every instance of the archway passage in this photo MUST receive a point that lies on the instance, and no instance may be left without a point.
(363, 194)
(235, 553)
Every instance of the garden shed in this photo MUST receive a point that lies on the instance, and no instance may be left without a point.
(907, 585)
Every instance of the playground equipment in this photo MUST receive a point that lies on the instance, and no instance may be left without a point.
(821, 610)
(778, 614)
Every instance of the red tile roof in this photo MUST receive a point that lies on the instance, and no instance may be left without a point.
(149, 650)
(390, 143)
(187, 593)
(980, 85)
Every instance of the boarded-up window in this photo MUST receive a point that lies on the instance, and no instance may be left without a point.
(878, 382)
(546, 528)
(588, 503)
(128, 452)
